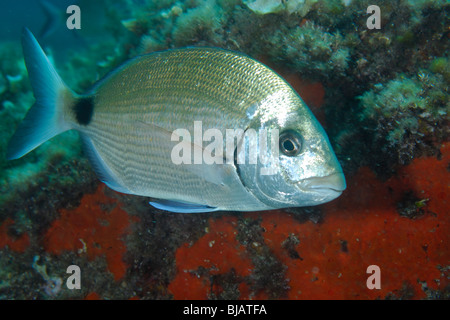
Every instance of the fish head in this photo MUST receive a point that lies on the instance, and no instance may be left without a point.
(297, 166)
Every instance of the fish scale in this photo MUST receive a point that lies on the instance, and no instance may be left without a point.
(160, 83)
(127, 120)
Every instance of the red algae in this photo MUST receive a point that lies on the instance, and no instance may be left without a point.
(96, 228)
(313, 93)
(362, 228)
(19, 244)
(217, 252)
(92, 296)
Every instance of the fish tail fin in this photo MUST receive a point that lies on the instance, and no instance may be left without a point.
(45, 119)
(53, 18)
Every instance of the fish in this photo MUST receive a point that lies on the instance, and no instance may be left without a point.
(136, 125)
(54, 18)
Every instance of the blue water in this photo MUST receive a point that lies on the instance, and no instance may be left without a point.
(15, 15)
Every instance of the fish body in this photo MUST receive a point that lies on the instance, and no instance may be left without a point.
(128, 121)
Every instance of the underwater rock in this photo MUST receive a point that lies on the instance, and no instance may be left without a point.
(97, 228)
(410, 113)
(311, 50)
(301, 7)
(131, 24)
(199, 25)
(149, 44)
(265, 6)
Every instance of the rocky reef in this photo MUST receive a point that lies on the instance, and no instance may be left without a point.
(382, 96)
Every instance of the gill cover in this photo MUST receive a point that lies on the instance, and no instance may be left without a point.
(263, 178)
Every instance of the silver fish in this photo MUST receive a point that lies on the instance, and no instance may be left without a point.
(130, 122)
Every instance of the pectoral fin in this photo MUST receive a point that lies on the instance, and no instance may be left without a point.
(219, 174)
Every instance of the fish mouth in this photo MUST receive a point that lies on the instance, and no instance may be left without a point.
(333, 183)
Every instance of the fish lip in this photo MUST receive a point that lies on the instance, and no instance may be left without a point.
(334, 182)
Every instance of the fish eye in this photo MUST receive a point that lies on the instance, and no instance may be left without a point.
(290, 143)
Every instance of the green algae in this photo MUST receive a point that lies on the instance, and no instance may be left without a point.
(409, 113)
(198, 25)
(311, 49)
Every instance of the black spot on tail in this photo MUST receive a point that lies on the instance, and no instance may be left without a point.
(84, 108)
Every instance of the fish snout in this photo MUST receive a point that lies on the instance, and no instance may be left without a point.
(333, 183)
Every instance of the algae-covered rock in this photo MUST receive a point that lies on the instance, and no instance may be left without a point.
(301, 7)
(265, 6)
(199, 24)
(410, 113)
(311, 50)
